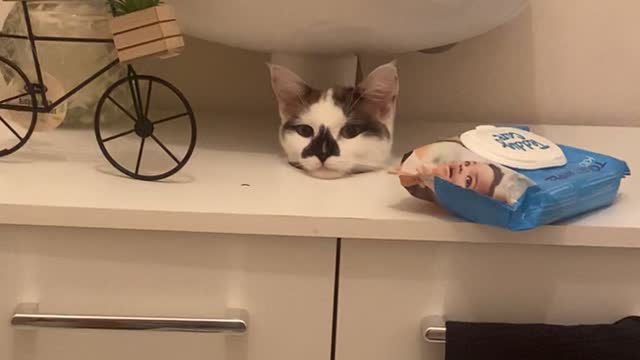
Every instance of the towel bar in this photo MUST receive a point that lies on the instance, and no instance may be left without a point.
(436, 335)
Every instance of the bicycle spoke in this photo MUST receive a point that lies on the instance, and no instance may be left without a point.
(10, 128)
(122, 108)
(140, 156)
(13, 98)
(134, 86)
(165, 149)
(119, 135)
(146, 108)
(170, 118)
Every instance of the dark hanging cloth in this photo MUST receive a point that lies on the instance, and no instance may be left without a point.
(486, 341)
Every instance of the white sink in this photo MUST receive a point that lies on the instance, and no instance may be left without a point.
(342, 26)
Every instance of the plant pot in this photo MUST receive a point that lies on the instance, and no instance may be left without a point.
(149, 32)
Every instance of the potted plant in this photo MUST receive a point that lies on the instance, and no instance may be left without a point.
(144, 28)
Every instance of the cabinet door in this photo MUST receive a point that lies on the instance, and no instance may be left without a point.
(388, 288)
(284, 284)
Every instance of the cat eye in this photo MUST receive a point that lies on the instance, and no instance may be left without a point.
(351, 131)
(305, 131)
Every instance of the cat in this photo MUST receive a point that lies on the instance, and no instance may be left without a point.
(339, 131)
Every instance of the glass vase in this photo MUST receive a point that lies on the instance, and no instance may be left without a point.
(65, 65)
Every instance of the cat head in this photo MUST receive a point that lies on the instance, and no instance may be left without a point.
(341, 130)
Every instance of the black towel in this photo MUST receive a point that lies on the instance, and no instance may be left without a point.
(474, 341)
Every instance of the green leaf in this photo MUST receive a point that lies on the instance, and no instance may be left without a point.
(123, 7)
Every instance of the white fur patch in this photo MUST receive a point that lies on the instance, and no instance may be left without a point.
(325, 112)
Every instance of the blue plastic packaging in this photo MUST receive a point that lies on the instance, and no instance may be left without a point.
(589, 181)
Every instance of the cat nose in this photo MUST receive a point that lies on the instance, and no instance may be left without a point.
(328, 149)
(323, 146)
(323, 156)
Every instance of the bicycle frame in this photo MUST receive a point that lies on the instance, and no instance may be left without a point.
(39, 87)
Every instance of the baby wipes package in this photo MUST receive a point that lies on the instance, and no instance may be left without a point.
(511, 178)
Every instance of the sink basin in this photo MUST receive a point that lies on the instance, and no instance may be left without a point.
(342, 26)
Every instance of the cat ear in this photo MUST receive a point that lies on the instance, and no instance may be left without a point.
(289, 89)
(380, 89)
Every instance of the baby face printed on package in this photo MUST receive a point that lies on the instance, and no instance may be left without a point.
(450, 160)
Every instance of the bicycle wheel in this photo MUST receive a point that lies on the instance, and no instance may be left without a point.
(18, 108)
(130, 146)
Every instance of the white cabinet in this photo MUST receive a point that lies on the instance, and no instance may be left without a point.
(388, 288)
(284, 284)
(168, 258)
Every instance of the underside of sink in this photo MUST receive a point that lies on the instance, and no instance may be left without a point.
(343, 26)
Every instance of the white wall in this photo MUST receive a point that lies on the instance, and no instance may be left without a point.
(564, 61)
(216, 78)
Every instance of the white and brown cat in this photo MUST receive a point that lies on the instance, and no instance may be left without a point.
(341, 130)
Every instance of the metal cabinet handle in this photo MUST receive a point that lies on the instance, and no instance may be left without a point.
(28, 315)
(437, 335)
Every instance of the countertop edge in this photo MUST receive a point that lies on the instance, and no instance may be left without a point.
(432, 230)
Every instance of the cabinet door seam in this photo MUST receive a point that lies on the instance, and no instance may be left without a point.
(336, 298)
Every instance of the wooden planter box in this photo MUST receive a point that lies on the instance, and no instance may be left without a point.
(149, 32)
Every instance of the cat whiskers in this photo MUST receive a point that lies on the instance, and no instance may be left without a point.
(302, 101)
(354, 102)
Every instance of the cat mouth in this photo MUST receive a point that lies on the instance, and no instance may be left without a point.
(324, 172)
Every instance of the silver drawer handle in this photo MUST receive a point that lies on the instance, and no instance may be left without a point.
(27, 315)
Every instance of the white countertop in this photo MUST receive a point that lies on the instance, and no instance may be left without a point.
(61, 179)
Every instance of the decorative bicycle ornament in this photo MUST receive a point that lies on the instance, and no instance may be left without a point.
(150, 32)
